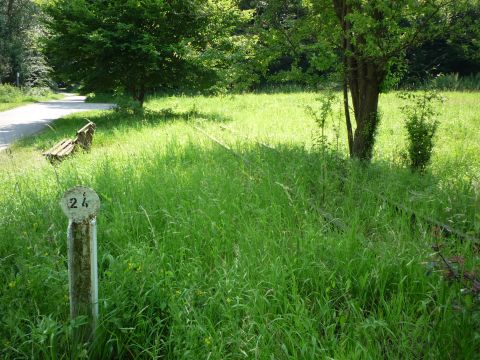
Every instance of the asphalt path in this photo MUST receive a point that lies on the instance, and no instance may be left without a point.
(29, 119)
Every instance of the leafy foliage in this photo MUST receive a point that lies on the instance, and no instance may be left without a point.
(20, 45)
(421, 127)
(139, 46)
(298, 42)
(453, 49)
(321, 114)
(289, 49)
(12, 96)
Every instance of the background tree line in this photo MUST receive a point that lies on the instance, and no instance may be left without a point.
(21, 38)
(283, 46)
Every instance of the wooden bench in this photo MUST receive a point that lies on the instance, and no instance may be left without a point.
(85, 136)
(67, 147)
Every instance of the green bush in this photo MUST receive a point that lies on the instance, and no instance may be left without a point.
(37, 92)
(10, 94)
(421, 126)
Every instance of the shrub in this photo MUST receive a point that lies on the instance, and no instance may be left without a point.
(37, 92)
(128, 106)
(12, 94)
(320, 115)
(421, 127)
(9, 93)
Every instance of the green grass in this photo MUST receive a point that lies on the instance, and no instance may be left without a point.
(11, 97)
(203, 254)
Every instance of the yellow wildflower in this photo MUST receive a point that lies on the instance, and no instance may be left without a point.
(208, 341)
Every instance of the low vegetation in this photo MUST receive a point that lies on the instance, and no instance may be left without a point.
(212, 253)
(454, 82)
(11, 96)
(421, 124)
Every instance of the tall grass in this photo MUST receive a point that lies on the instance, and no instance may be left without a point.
(203, 254)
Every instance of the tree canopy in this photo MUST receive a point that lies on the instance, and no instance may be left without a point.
(139, 45)
(21, 48)
(372, 38)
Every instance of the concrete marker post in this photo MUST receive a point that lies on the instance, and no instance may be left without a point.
(81, 204)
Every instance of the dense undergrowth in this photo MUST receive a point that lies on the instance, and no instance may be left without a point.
(204, 254)
(11, 96)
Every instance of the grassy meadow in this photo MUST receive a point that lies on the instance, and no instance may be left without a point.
(209, 253)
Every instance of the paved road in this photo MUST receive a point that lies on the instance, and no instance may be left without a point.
(29, 119)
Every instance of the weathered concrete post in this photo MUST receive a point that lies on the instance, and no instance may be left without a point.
(81, 205)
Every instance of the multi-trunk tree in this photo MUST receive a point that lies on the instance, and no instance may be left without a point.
(368, 39)
(372, 37)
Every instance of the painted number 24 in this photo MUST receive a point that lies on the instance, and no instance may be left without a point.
(73, 202)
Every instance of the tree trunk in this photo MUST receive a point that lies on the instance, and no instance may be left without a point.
(141, 95)
(133, 91)
(347, 115)
(138, 93)
(9, 14)
(364, 77)
(345, 28)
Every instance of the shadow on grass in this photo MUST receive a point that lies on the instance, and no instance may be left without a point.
(453, 201)
(445, 205)
(109, 122)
